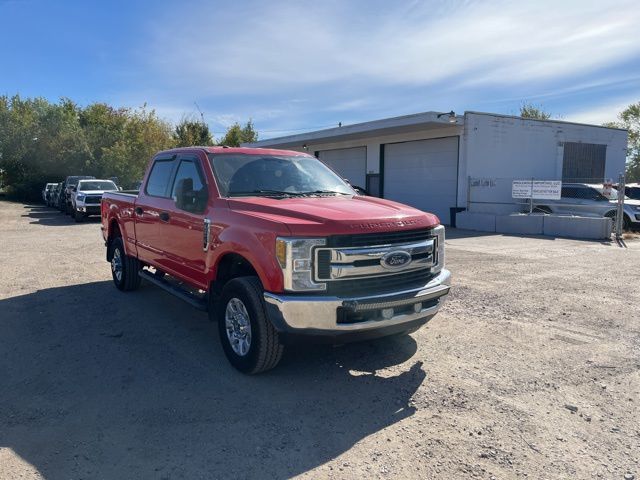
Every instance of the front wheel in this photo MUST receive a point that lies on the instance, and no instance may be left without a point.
(249, 340)
(78, 216)
(626, 221)
(124, 269)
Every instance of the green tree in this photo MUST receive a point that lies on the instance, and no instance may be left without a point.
(189, 133)
(42, 141)
(529, 110)
(629, 119)
(144, 134)
(237, 135)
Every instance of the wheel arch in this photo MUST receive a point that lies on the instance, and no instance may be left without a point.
(230, 265)
(112, 232)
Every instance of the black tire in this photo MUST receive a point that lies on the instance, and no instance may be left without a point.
(78, 216)
(264, 350)
(128, 279)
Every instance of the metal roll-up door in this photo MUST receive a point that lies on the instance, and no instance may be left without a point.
(350, 163)
(423, 174)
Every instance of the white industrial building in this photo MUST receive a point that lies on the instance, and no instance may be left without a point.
(427, 159)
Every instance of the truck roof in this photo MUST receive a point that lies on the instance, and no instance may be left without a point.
(244, 150)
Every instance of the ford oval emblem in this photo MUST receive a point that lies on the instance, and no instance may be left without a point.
(396, 260)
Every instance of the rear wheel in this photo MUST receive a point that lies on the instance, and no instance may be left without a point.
(124, 269)
(249, 340)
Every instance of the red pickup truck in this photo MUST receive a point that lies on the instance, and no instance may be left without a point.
(275, 246)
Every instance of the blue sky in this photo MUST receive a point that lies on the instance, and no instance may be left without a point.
(303, 65)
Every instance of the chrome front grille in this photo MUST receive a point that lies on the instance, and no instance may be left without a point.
(335, 264)
(351, 264)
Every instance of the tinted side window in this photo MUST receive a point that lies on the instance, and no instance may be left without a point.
(570, 192)
(633, 192)
(189, 191)
(187, 170)
(158, 182)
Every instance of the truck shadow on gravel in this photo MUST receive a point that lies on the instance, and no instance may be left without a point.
(42, 215)
(97, 383)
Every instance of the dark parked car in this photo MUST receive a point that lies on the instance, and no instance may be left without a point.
(70, 182)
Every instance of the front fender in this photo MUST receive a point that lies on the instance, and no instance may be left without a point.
(257, 247)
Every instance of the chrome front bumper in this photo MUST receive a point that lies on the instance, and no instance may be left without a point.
(319, 314)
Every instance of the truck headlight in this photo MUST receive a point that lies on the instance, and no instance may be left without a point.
(295, 256)
(439, 234)
(80, 197)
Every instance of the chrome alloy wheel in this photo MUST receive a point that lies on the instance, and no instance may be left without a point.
(116, 264)
(238, 326)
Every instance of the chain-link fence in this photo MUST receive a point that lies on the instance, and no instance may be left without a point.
(540, 196)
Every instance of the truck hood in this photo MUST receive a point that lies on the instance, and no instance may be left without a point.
(95, 192)
(322, 216)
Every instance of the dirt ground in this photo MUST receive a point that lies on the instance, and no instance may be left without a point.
(531, 370)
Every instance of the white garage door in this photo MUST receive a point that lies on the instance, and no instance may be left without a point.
(350, 163)
(423, 174)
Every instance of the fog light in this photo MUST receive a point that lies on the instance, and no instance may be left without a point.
(387, 313)
(417, 307)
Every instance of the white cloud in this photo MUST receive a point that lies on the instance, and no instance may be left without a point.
(265, 47)
(603, 112)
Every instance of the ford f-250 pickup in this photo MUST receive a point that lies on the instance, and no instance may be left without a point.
(276, 246)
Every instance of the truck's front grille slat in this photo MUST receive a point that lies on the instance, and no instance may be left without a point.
(93, 199)
(384, 238)
(375, 285)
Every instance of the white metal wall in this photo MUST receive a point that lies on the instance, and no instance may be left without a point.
(498, 148)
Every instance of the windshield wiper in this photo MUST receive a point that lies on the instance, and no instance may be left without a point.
(325, 192)
(282, 193)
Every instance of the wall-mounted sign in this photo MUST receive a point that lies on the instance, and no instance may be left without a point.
(537, 189)
(483, 182)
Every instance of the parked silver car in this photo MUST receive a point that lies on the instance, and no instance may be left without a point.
(589, 200)
(47, 192)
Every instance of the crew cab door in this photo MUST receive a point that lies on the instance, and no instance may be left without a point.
(185, 254)
(153, 211)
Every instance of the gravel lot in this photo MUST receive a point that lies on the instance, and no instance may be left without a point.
(532, 369)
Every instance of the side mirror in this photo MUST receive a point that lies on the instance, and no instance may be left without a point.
(187, 198)
(360, 190)
(74, 189)
(119, 189)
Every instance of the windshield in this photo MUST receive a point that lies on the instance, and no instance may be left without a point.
(84, 186)
(272, 175)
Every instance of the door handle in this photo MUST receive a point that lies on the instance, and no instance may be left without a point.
(139, 211)
(164, 216)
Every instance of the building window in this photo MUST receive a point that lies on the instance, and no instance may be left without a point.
(583, 162)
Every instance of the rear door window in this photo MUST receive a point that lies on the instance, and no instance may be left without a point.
(160, 178)
(571, 192)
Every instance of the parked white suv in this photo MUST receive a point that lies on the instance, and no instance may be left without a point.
(589, 200)
(87, 195)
